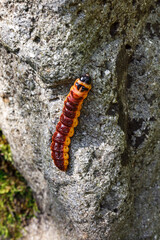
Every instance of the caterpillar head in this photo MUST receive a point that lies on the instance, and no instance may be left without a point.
(83, 83)
(82, 86)
(86, 79)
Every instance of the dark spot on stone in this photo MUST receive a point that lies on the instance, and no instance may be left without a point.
(79, 12)
(8, 49)
(134, 125)
(140, 12)
(141, 72)
(140, 58)
(113, 109)
(115, 210)
(31, 30)
(139, 140)
(106, 64)
(146, 131)
(123, 32)
(111, 8)
(26, 9)
(152, 119)
(134, 2)
(5, 98)
(151, 8)
(158, 2)
(114, 28)
(102, 74)
(104, 1)
(156, 28)
(151, 99)
(36, 39)
(32, 64)
(8, 73)
(33, 19)
(109, 202)
(124, 158)
(121, 69)
(128, 46)
(96, 173)
(54, 98)
(148, 28)
(43, 9)
(16, 50)
(129, 81)
(73, 54)
(122, 115)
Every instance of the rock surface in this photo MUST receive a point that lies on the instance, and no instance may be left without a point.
(111, 190)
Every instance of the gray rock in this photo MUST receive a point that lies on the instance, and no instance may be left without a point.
(111, 189)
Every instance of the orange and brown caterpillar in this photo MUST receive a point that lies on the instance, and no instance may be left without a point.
(68, 121)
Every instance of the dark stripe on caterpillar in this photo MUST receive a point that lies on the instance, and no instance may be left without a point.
(83, 88)
(68, 121)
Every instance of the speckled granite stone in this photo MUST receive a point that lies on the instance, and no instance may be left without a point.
(111, 190)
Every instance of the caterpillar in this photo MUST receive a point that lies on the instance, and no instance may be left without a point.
(68, 121)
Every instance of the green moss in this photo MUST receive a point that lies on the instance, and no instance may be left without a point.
(5, 148)
(17, 204)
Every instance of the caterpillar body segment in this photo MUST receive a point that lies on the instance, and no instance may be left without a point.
(68, 121)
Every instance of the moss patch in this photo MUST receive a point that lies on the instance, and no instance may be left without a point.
(17, 204)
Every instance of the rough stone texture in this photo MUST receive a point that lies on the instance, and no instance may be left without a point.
(40, 228)
(111, 190)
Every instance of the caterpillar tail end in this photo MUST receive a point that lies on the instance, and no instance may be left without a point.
(62, 167)
(63, 161)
